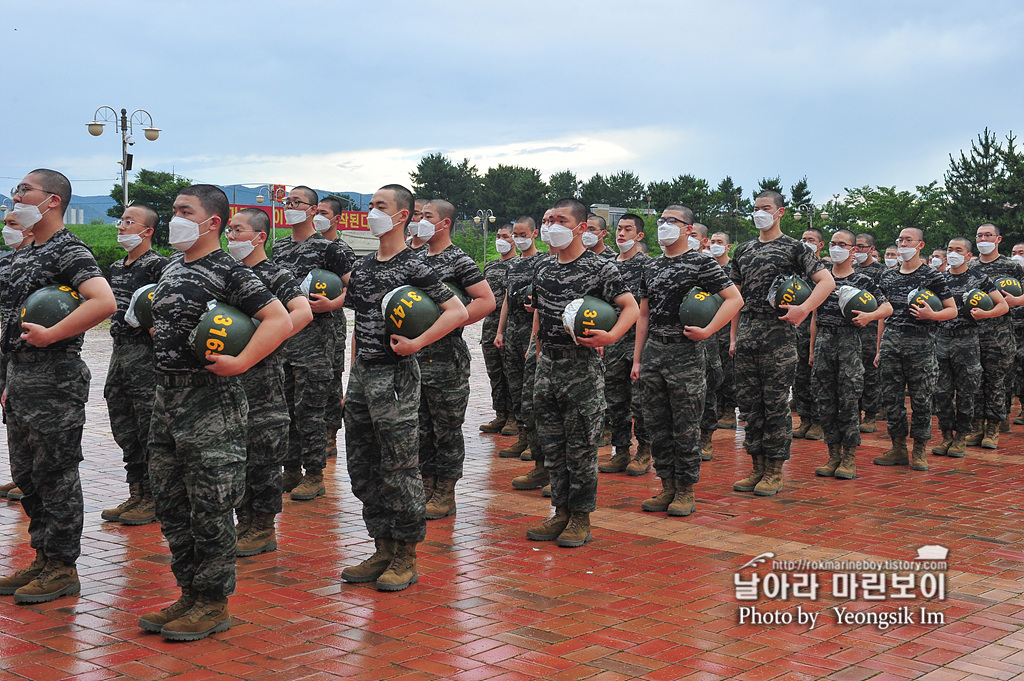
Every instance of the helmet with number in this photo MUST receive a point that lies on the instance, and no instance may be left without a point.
(459, 293)
(140, 309)
(976, 298)
(922, 297)
(322, 282)
(586, 313)
(699, 307)
(853, 299)
(791, 290)
(49, 305)
(223, 330)
(408, 311)
(1009, 285)
(522, 294)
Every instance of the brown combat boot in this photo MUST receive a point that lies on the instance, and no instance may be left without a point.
(56, 579)
(801, 431)
(5, 488)
(990, 438)
(942, 448)
(332, 443)
(550, 528)
(848, 466)
(494, 425)
(1004, 425)
(606, 437)
(727, 419)
(881, 416)
(443, 502)
(895, 455)
(8, 585)
(641, 463)
(618, 462)
(868, 424)
(155, 621)
(143, 512)
(919, 457)
(546, 492)
(516, 449)
(814, 432)
(835, 458)
(748, 483)
(206, 616)
(958, 449)
(260, 538)
(977, 433)
(16, 494)
(660, 501)
(311, 487)
(402, 571)
(682, 504)
(771, 483)
(707, 451)
(510, 427)
(243, 514)
(535, 479)
(374, 566)
(1019, 420)
(576, 532)
(133, 500)
(527, 455)
(429, 485)
(291, 478)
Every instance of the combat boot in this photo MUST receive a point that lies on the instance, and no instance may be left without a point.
(727, 419)
(919, 457)
(881, 416)
(550, 528)
(527, 455)
(618, 462)
(513, 452)
(206, 616)
(332, 443)
(8, 585)
(374, 566)
(429, 485)
(291, 478)
(835, 458)
(942, 448)
(682, 504)
(16, 494)
(402, 571)
(801, 431)
(243, 514)
(990, 439)
(155, 621)
(848, 467)
(641, 463)
(707, 451)
(311, 487)
(868, 423)
(771, 483)
(494, 425)
(443, 502)
(958, 449)
(133, 500)
(535, 479)
(5, 488)
(577, 532)
(748, 483)
(144, 512)
(261, 537)
(814, 432)
(977, 433)
(510, 427)
(660, 501)
(56, 579)
(895, 455)
(606, 437)
(1004, 425)
(546, 492)
(1019, 420)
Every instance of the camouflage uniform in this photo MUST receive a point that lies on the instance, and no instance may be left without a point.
(334, 412)
(673, 369)
(624, 414)
(309, 355)
(805, 406)
(958, 357)
(725, 396)
(713, 381)
(518, 329)
(569, 391)
(906, 359)
(198, 434)
(130, 387)
(870, 400)
(382, 402)
(998, 347)
(766, 354)
(1017, 384)
(496, 273)
(47, 389)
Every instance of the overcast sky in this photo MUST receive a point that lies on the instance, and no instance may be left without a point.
(348, 96)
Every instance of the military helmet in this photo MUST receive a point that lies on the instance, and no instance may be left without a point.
(976, 298)
(699, 307)
(408, 311)
(322, 282)
(586, 313)
(1009, 285)
(49, 305)
(791, 290)
(853, 299)
(140, 309)
(223, 330)
(459, 292)
(922, 296)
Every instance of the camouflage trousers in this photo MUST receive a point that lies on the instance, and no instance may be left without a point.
(529, 425)
(765, 365)
(838, 382)
(1018, 364)
(871, 397)
(516, 343)
(197, 469)
(714, 378)
(382, 447)
(958, 362)
(805, 402)
(673, 379)
(46, 396)
(129, 390)
(444, 396)
(333, 414)
(998, 350)
(308, 372)
(569, 410)
(907, 363)
(726, 393)
(494, 363)
(267, 441)
(623, 414)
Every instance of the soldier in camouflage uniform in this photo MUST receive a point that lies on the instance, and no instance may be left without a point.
(131, 381)
(1016, 386)
(838, 377)
(670, 359)
(382, 402)
(958, 352)
(309, 356)
(906, 357)
(197, 437)
(48, 385)
(870, 401)
(810, 426)
(699, 241)
(764, 339)
(726, 398)
(593, 238)
(569, 389)
(267, 426)
(496, 274)
(444, 365)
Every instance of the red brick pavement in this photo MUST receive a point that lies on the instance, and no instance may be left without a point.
(651, 597)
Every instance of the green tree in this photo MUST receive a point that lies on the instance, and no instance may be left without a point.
(660, 193)
(973, 182)
(594, 190)
(884, 211)
(437, 177)
(562, 185)
(770, 184)
(1010, 191)
(799, 194)
(625, 189)
(511, 191)
(694, 193)
(153, 188)
(729, 212)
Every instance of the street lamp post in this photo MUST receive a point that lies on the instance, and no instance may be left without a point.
(125, 126)
(484, 216)
(808, 209)
(273, 201)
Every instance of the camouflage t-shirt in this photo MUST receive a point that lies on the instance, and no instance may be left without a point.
(180, 299)
(556, 284)
(608, 252)
(959, 284)
(282, 284)
(828, 313)
(373, 279)
(496, 274)
(666, 283)
(62, 260)
(520, 278)
(453, 265)
(632, 271)
(897, 287)
(756, 264)
(872, 269)
(300, 257)
(6, 260)
(1000, 268)
(125, 280)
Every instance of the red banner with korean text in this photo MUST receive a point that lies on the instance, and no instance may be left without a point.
(349, 220)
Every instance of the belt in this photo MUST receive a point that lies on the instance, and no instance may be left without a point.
(41, 355)
(566, 353)
(132, 340)
(384, 360)
(668, 339)
(913, 330)
(833, 330)
(191, 380)
(956, 333)
(761, 315)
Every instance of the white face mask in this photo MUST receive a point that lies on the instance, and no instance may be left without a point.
(589, 239)
(182, 232)
(764, 220)
(294, 216)
(891, 262)
(321, 223)
(129, 242)
(13, 237)
(717, 250)
(241, 249)
(838, 254)
(693, 243)
(28, 215)
(425, 229)
(955, 259)
(668, 234)
(986, 247)
(907, 253)
(811, 247)
(860, 258)
(522, 243)
(502, 246)
(936, 262)
(379, 222)
(559, 236)
(1019, 259)
(625, 246)
(545, 234)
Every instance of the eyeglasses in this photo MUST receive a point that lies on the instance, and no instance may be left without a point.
(22, 189)
(673, 221)
(130, 223)
(986, 236)
(294, 203)
(236, 231)
(841, 244)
